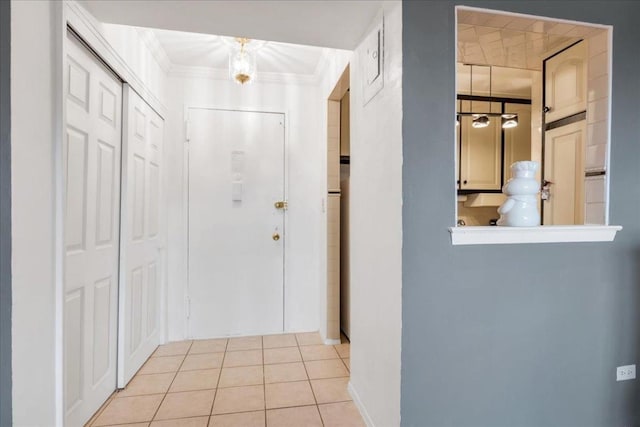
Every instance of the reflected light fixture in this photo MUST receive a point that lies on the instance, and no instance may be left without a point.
(481, 120)
(509, 121)
(242, 62)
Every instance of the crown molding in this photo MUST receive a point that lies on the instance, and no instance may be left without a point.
(154, 46)
(322, 65)
(89, 29)
(182, 71)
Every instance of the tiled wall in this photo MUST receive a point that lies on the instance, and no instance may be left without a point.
(333, 267)
(333, 146)
(333, 221)
(597, 126)
(594, 199)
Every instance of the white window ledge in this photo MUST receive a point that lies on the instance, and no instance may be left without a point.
(494, 235)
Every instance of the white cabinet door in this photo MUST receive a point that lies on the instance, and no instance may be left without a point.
(91, 164)
(517, 140)
(566, 83)
(480, 150)
(236, 265)
(141, 263)
(564, 169)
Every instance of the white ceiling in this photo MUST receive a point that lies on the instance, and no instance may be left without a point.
(514, 41)
(205, 50)
(336, 24)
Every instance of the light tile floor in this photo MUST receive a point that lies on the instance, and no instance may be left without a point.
(288, 380)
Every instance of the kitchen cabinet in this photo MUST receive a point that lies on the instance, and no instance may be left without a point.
(480, 150)
(517, 140)
(485, 154)
(565, 97)
(564, 170)
(566, 83)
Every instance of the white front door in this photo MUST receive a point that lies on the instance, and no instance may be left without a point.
(91, 164)
(140, 263)
(564, 173)
(236, 234)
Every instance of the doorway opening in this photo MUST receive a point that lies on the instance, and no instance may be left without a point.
(532, 88)
(338, 195)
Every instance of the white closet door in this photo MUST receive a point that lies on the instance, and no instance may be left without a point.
(91, 164)
(140, 264)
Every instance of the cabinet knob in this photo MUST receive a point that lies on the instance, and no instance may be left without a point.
(546, 109)
(464, 182)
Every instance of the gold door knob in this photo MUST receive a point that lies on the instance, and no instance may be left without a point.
(276, 236)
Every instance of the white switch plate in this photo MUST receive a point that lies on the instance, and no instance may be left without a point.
(373, 60)
(627, 372)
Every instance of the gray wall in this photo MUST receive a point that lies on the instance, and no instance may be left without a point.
(514, 335)
(5, 214)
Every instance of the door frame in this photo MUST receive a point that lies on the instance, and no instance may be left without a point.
(329, 335)
(546, 126)
(185, 196)
(69, 15)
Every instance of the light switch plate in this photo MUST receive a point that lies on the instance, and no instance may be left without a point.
(372, 56)
(373, 60)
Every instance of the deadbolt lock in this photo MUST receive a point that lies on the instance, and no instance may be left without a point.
(276, 236)
(281, 205)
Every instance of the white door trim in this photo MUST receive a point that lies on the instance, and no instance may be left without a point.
(185, 192)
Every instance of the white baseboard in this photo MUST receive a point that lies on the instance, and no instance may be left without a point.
(359, 405)
(331, 342)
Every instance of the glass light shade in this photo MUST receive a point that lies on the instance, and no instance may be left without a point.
(242, 66)
(480, 122)
(509, 121)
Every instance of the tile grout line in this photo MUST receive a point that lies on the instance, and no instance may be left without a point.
(263, 350)
(101, 409)
(215, 397)
(310, 386)
(169, 388)
(264, 384)
(113, 396)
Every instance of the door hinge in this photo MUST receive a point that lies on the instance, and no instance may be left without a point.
(187, 306)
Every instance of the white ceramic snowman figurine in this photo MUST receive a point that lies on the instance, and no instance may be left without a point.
(521, 207)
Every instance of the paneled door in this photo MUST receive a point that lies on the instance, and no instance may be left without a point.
(566, 83)
(236, 233)
(142, 240)
(564, 174)
(91, 167)
(480, 150)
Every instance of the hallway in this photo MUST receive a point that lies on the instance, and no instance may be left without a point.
(274, 380)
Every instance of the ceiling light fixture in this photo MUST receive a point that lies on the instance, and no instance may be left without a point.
(242, 63)
(481, 120)
(509, 121)
(242, 58)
